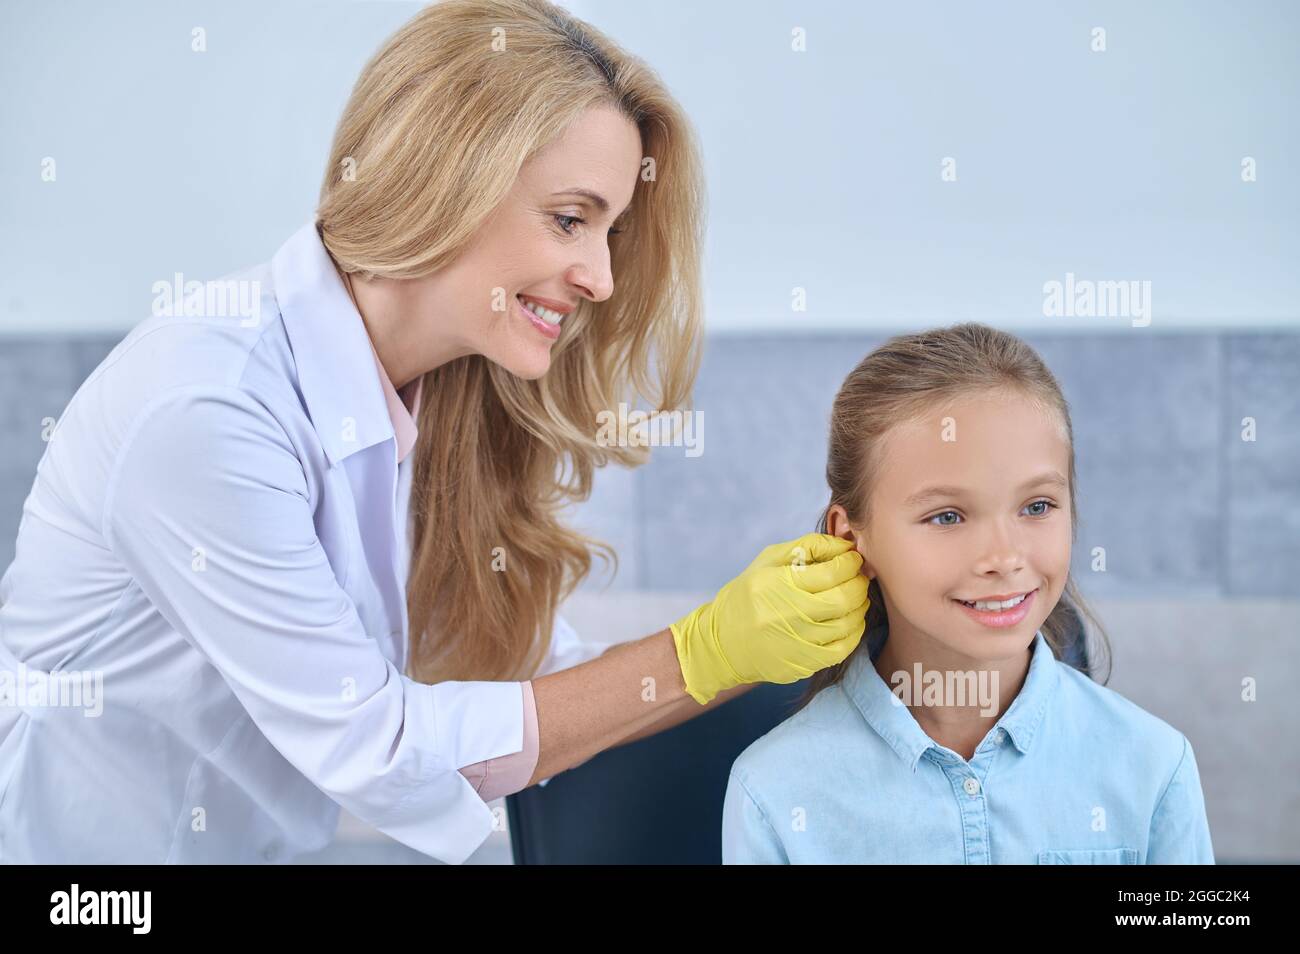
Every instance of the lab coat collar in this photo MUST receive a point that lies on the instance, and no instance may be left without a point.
(331, 347)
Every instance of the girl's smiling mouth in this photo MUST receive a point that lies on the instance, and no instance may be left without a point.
(1000, 615)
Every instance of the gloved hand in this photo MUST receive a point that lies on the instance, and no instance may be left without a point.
(799, 607)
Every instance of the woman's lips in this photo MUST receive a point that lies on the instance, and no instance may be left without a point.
(551, 331)
(1000, 619)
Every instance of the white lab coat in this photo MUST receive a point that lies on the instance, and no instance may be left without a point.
(213, 529)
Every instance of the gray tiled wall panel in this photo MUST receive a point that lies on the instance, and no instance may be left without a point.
(1166, 485)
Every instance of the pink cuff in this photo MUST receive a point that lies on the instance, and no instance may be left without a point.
(507, 774)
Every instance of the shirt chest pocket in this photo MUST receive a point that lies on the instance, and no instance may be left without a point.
(1088, 856)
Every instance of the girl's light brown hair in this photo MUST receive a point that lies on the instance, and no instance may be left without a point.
(431, 140)
(900, 382)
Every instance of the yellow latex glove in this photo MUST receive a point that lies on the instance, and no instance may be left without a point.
(799, 607)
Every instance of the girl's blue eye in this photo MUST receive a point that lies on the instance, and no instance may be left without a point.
(1042, 513)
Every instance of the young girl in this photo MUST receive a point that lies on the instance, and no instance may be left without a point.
(955, 733)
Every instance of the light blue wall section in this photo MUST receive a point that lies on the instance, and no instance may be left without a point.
(823, 166)
(167, 160)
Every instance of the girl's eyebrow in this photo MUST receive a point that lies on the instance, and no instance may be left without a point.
(929, 493)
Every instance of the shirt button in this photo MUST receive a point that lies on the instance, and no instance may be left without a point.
(971, 785)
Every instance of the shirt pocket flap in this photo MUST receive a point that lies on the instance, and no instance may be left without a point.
(1088, 856)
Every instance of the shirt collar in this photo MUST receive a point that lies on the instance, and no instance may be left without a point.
(401, 408)
(896, 725)
(347, 402)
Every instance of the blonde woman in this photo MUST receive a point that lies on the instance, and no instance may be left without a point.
(312, 554)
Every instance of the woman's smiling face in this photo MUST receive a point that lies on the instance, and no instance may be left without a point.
(545, 243)
(971, 502)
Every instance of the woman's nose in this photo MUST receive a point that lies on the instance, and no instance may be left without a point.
(593, 276)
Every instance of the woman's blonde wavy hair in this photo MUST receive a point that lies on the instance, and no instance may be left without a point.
(437, 128)
(903, 380)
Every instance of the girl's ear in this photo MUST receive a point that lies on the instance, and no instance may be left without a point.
(837, 525)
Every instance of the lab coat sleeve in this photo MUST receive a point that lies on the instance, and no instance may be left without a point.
(207, 506)
(1180, 833)
(747, 836)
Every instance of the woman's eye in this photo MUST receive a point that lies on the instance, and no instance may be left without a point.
(567, 229)
(944, 514)
(1047, 505)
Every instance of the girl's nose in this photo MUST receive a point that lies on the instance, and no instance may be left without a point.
(1003, 550)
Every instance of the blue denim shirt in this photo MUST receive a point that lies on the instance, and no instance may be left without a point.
(1073, 773)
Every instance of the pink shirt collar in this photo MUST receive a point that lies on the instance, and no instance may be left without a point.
(400, 408)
